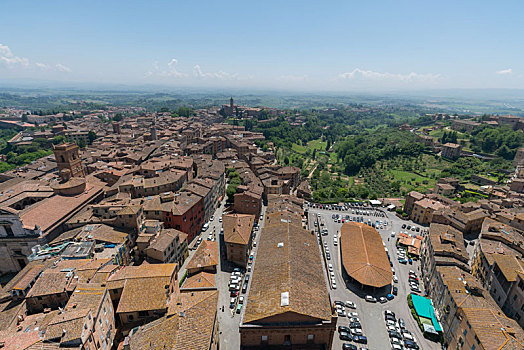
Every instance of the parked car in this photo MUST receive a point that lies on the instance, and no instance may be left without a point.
(345, 336)
(239, 308)
(343, 329)
(355, 325)
(411, 344)
(394, 334)
(389, 312)
(348, 346)
(382, 300)
(401, 323)
(351, 304)
(371, 299)
(353, 314)
(356, 331)
(395, 290)
(360, 339)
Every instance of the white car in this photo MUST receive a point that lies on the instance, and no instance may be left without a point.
(395, 279)
(392, 328)
(330, 267)
(371, 299)
(354, 319)
(332, 275)
(391, 323)
(396, 347)
(212, 218)
(356, 331)
(409, 337)
(241, 300)
(353, 314)
(396, 341)
(334, 285)
(351, 304)
(220, 219)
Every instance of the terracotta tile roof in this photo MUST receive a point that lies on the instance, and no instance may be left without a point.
(102, 233)
(205, 255)
(447, 240)
(288, 275)
(50, 282)
(28, 277)
(202, 280)
(494, 330)
(143, 294)
(509, 265)
(189, 326)
(363, 255)
(50, 211)
(142, 271)
(237, 228)
(71, 321)
(165, 238)
(87, 296)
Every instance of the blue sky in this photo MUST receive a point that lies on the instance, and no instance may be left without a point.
(298, 45)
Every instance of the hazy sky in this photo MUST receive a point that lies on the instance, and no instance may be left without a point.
(310, 45)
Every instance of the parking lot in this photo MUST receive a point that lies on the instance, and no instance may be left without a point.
(370, 315)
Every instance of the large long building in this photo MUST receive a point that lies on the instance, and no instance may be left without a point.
(363, 255)
(288, 302)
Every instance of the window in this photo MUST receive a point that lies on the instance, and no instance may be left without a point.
(142, 313)
(287, 339)
(8, 230)
(465, 332)
(310, 338)
(130, 318)
(515, 297)
(264, 339)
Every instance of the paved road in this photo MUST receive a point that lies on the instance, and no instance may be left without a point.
(372, 314)
(229, 321)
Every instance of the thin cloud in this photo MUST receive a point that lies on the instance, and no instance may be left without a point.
(359, 74)
(8, 58)
(505, 71)
(170, 71)
(220, 75)
(42, 66)
(62, 68)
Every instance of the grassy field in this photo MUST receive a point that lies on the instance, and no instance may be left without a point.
(311, 145)
(410, 181)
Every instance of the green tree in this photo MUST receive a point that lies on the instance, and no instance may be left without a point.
(91, 136)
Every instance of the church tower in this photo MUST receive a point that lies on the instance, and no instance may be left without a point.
(231, 105)
(68, 161)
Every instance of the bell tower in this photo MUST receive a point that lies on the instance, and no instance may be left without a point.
(68, 161)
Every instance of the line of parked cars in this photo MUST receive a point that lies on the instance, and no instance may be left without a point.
(353, 331)
(236, 287)
(361, 208)
(399, 337)
(414, 282)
